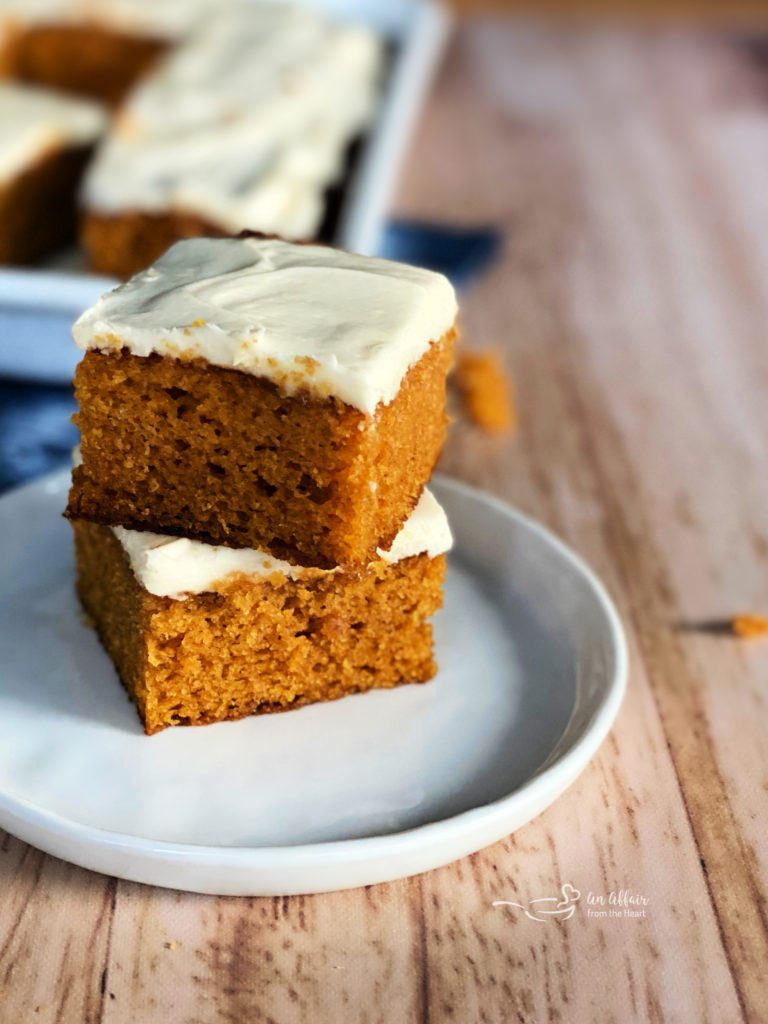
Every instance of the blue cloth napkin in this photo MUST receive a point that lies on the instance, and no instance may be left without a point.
(36, 434)
(35, 430)
(462, 254)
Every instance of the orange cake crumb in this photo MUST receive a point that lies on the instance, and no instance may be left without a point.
(486, 391)
(750, 625)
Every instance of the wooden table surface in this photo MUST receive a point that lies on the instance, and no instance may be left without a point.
(631, 303)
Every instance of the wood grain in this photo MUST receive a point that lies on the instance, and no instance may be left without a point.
(657, 12)
(630, 303)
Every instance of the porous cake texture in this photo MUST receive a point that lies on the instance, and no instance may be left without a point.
(201, 634)
(46, 141)
(256, 394)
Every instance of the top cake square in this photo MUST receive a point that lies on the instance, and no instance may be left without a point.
(255, 393)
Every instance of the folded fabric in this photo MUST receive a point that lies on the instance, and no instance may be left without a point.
(35, 431)
(461, 253)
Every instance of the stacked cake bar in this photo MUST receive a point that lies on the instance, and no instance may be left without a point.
(258, 423)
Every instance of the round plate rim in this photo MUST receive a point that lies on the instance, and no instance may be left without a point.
(539, 791)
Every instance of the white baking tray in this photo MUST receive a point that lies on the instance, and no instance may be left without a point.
(38, 306)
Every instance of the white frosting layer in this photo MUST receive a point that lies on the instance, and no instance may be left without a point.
(245, 124)
(35, 122)
(425, 530)
(175, 566)
(165, 19)
(266, 307)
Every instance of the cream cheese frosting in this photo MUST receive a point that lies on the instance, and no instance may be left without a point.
(308, 316)
(194, 175)
(166, 19)
(35, 122)
(176, 566)
(244, 124)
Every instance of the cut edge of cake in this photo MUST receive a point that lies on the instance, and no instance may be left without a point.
(264, 636)
(327, 482)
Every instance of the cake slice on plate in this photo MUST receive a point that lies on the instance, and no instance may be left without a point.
(201, 634)
(253, 393)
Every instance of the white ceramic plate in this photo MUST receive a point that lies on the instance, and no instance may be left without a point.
(363, 790)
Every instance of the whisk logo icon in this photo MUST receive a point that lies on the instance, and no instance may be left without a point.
(548, 908)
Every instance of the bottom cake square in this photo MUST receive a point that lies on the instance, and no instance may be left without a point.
(202, 634)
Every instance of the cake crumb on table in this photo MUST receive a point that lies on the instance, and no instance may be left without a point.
(486, 391)
(750, 626)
